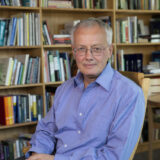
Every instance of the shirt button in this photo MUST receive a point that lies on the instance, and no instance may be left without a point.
(80, 114)
(79, 132)
(65, 145)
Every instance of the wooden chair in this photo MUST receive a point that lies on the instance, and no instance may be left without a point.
(144, 83)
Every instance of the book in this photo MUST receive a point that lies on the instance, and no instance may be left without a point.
(13, 31)
(2, 111)
(24, 58)
(5, 66)
(2, 31)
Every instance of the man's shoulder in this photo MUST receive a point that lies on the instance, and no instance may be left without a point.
(125, 83)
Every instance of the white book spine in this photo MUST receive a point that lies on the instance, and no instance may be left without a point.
(62, 69)
(8, 71)
(17, 73)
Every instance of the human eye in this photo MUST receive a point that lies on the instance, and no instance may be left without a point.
(97, 49)
(81, 49)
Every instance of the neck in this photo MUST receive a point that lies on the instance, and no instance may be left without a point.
(88, 80)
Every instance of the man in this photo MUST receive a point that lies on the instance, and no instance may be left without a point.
(96, 115)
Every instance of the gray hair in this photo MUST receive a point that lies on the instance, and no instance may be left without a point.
(91, 22)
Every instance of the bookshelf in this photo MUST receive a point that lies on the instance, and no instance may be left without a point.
(56, 18)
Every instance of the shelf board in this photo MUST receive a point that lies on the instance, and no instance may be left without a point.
(21, 86)
(76, 10)
(142, 147)
(156, 144)
(137, 11)
(136, 44)
(18, 125)
(19, 8)
(19, 47)
(57, 46)
(151, 75)
(54, 84)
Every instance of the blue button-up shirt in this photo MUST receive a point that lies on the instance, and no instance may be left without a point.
(100, 122)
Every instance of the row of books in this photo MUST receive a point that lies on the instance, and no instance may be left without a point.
(20, 30)
(126, 30)
(56, 39)
(68, 26)
(89, 4)
(57, 66)
(137, 4)
(57, 3)
(154, 64)
(12, 149)
(154, 86)
(20, 69)
(129, 62)
(26, 3)
(20, 109)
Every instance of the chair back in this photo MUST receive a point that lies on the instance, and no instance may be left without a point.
(144, 83)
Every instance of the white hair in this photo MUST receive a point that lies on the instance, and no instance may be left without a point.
(92, 22)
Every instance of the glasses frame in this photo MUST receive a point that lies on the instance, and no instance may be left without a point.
(103, 48)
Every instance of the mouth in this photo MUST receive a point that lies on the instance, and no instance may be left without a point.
(89, 65)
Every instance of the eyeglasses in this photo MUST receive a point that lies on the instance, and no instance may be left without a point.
(95, 51)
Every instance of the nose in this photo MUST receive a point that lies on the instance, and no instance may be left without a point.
(88, 53)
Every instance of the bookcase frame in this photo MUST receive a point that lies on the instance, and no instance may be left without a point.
(56, 18)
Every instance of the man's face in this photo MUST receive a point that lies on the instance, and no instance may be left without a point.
(91, 64)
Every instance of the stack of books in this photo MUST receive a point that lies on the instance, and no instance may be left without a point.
(21, 30)
(20, 108)
(57, 66)
(20, 69)
(26, 3)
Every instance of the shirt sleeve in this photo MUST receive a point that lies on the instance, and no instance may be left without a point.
(123, 136)
(43, 139)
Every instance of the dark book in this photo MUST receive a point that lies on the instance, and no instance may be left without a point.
(133, 62)
(2, 31)
(6, 33)
(154, 26)
(2, 111)
(156, 56)
(35, 70)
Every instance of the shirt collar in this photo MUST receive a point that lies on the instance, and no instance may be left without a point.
(104, 79)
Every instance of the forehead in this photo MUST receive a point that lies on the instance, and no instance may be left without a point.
(90, 34)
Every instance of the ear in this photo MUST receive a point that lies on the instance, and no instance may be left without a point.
(73, 52)
(110, 51)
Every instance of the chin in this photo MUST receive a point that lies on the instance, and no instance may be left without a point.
(91, 75)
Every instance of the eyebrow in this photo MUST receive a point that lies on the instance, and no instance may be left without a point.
(94, 45)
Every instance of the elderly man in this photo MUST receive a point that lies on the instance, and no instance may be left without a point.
(96, 115)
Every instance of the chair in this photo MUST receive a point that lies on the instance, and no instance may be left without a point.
(144, 83)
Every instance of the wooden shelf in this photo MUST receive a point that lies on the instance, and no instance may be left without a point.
(20, 47)
(54, 84)
(136, 44)
(156, 144)
(57, 46)
(21, 86)
(142, 147)
(76, 10)
(18, 125)
(136, 11)
(19, 8)
(152, 75)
